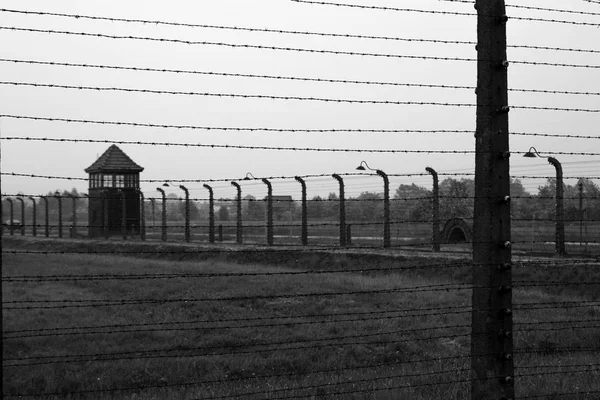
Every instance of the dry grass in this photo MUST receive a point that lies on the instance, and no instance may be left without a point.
(260, 347)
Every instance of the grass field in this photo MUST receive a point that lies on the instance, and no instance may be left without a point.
(123, 327)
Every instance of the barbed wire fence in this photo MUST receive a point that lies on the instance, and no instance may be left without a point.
(484, 290)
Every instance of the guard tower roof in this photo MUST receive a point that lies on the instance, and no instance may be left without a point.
(114, 160)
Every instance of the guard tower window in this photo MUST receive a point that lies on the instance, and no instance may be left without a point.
(130, 181)
(107, 181)
(119, 181)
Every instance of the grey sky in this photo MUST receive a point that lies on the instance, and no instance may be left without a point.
(174, 163)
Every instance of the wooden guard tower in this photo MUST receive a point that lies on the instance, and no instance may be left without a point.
(114, 196)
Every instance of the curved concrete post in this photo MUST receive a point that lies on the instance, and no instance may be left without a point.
(559, 243)
(435, 237)
(187, 213)
(142, 216)
(22, 215)
(238, 230)
(269, 211)
(34, 217)
(386, 208)
(153, 206)
(12, 217)
(304, 212)
(211, 214)
(74, 200)
(163, 234)
(60, 226)
(46, 216)
(342, 210)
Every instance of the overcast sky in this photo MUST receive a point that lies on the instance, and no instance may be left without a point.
(180, 163)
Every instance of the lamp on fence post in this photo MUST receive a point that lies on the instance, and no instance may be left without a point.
(187, 212)
(34, 217)
(238, 231)
(342, 210)
(436, 210)
(559, 234)
(211, 214)
(22, 214)
(12, 216)
(46, 216)
(142, 215)
(386, 201)
(304, 212)
(163, 234)
(59, 198)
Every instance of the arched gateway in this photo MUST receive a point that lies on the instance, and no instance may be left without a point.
(456, 230)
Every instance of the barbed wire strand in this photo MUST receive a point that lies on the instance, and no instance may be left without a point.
(518, 6)
(382, 8)
(285, 31)
(277, 130)
(290, 49)
(282, 77)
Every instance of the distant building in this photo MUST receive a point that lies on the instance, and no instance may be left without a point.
(112, 176)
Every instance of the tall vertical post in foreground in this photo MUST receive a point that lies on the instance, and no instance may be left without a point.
(304, 212)
(342, 210)
(491, 327)
(436, 211)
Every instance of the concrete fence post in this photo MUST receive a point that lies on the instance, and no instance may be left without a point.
(435, 237)
(163, 234)
(269, 211)
(142, 216)
(34, 217)
(60, 224)
(559, 232)
(342, 210)
(211, 214)
(187, 213)
(46, 216)
(238, 230)
(12, 217)
(22, 215)
(492, 368)
(304, 212)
